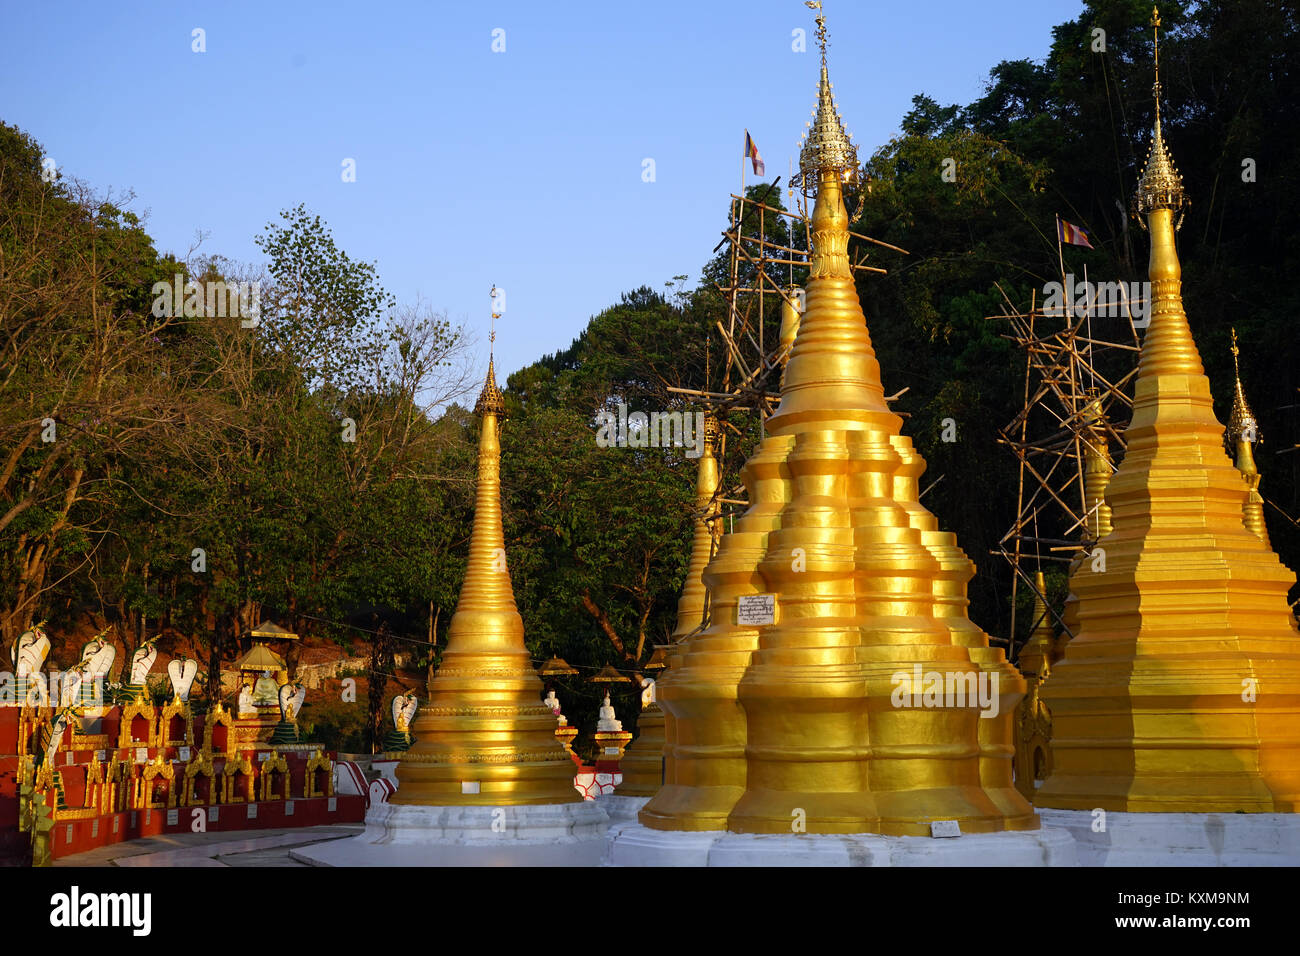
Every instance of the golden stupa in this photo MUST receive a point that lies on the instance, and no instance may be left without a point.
(643, 764)
(485, 738)
(707, 529)
(1242, 433)
(1181, 688)
(794, 724)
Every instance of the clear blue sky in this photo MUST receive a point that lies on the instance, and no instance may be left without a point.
(521, 168)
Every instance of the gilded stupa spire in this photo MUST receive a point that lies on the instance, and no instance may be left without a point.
(707, 529)
(485, 738)
(1035, 659)
(1242, 433)
(1097, 470)
(490, 400)
(1161, 185)
(1180, 606)
(825, 147)
(796, 713)
(1241, 422)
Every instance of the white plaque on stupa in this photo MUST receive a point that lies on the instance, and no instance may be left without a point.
(756, 610)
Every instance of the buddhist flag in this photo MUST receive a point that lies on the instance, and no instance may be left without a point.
(751, 151)
(1071, 234)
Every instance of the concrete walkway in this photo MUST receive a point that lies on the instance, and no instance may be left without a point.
(231, 848)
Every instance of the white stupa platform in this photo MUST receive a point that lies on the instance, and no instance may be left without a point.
(1180, 839)
(632, 844)
(562, 834)
(620, 808)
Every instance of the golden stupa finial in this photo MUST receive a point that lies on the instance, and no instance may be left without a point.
(1036, 654)
(1242, 425)
(821, 24)
(1161, 185)
(490, 400)
(826, 146)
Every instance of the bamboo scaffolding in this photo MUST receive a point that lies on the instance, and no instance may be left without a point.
(1069, 369)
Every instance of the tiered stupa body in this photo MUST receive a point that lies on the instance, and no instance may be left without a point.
(485, 738)
(1181, 690)
(795, 721)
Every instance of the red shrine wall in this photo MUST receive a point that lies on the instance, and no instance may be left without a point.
(124, 815)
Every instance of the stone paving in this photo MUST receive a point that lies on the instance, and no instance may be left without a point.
(231, 848)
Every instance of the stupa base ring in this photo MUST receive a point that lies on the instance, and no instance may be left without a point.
(633, 844)
(548, 834)
(1180, 839)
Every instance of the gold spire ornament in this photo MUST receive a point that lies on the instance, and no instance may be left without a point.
(819, 716)
(485, 738)
(1161, 185)
(1242, 433)
(707, 529)
(1097, 471)
(1180, 691)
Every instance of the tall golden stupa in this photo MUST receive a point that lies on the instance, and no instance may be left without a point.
(1180, 691)
(485, 738)
(797, 725)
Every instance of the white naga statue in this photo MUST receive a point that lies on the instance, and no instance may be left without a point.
(57, 730)
(142, 660)
(291, 697)
(182, 671)
(29, 651)
(647, 691)
(97, 656)
(607, 723)
(70, 688)
(404, 708)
